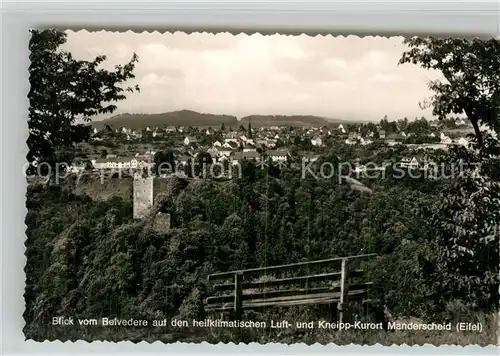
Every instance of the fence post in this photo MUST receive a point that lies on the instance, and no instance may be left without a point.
(238, 277)
(342, 306)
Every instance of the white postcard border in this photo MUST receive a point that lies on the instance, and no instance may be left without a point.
(386, 18)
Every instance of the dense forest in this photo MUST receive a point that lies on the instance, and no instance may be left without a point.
(287, 120)
(437, 236)
(89, 258)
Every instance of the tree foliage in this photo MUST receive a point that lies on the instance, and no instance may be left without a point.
(434, 249)
(464, 262)
(65, 93)
(163, 162)
(437, 238)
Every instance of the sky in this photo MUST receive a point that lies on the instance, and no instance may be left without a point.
(335, 77)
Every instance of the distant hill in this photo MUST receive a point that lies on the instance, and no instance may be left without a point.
(175, 118)
(284, 120)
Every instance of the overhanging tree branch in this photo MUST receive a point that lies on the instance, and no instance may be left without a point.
(471, 71)
(63, 90)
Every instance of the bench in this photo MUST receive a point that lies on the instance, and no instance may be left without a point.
(336, 281)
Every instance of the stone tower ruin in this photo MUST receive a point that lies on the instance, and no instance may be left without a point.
(143, 196)
(143, 191)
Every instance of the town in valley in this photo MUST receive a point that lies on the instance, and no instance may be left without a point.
(123, 149)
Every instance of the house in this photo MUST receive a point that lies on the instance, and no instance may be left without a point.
(217, 144)
(350, 142)
(144, 162)
(158, 133)
(213, 151)
(462, 141)
(189, 140)
(116, 163)
(230, 139)
(409, 163)
(208, 132)
(182, 160)
(445, 139)
(170, 129)
(100, 163)
(341, 128)
(148, 154)
(365, 141)
(251, 155)
(271, 143)
(76, 167)
(137, 134)
(316, 141)
(359, 169)
(278, 155)
(432, 134)
(394, 139)
(224, 151)
(353, 136)
(381, 134)
(249, 148)
(125, 162)
(236, 158)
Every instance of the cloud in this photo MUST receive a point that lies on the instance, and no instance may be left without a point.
(333, 84)
(383, 78)
(335, 63)
(347, 77)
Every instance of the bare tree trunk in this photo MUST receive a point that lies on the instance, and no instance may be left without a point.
(477, 132)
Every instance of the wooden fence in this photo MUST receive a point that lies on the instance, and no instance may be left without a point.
(342, 281)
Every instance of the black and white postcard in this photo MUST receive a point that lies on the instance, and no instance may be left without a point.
(211, 187)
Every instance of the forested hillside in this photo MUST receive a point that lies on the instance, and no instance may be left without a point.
(286, 120)
(90, 259)
(193, 118)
